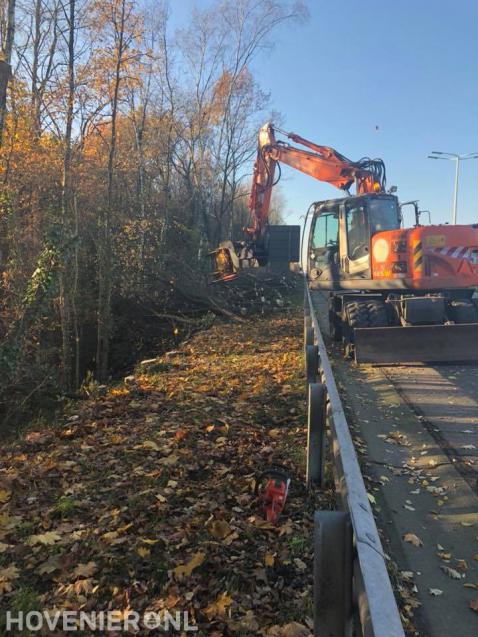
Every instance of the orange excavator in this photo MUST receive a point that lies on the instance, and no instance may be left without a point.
(395, 295)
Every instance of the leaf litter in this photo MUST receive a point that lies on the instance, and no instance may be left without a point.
(144, 498)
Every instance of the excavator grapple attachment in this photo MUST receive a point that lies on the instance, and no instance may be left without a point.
(417, 344)
(225, 262)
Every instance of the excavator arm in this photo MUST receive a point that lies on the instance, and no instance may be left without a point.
(320, 162)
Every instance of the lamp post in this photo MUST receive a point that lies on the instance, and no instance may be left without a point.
(436, 154)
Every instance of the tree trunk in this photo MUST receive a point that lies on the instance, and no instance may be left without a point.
(66, 209)
(105, 248)
(5, 64)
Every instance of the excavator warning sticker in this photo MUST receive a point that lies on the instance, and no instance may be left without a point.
(418, 256)
(435, 241)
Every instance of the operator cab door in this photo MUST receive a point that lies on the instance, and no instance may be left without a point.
(324, 243)
(355, 239)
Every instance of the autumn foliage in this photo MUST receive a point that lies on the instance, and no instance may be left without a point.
(124, 147)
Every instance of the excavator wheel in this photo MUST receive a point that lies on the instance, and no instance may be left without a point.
(355, 314)
(370, 313)
(377, 314)
(463, 311)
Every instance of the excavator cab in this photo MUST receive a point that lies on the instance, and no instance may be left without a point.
(341, 237)
(396, 295)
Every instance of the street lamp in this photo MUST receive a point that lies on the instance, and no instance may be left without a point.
(436, 154)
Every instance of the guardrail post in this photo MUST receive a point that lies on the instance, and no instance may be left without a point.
(316, 420)
(333, 558)
(309, 335)
(311, 363)
(306, 304)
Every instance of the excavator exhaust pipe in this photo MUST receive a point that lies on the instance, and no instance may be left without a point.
(417, 344)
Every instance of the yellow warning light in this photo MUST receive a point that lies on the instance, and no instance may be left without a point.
(376, 186)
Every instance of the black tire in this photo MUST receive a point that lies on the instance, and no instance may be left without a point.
(377, 314)
(357, 314)
(463, 311)
(362, 314)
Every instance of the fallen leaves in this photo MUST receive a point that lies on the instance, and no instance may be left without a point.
(48, 538)
(145, 499)
(269, 559)
(398, 438)
(150, 445)
(411, 538)
(443, 555)
(218, 607)
(85, 570)
(52, 564)
(220, 529)
(7, 576)
(474, 605)
(185, 570)
(293, 629)
(451, 572)
(245, 624)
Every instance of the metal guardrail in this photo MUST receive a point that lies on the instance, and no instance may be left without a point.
(350, 573)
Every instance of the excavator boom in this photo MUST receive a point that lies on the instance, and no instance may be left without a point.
(320, 162)
(395, 294)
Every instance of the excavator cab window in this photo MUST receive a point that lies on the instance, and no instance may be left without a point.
(358, 234)
(325, 238)
(383, 214)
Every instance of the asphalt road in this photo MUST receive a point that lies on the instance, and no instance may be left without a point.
(445, 397)
(416, 430)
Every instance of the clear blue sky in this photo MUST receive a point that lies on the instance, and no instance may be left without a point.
(409, 67)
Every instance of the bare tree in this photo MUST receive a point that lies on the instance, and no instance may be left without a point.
(66, 301)
(220, 129)
(119, 26)
(40, 31)
(7, 31)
